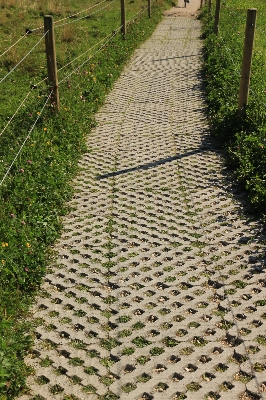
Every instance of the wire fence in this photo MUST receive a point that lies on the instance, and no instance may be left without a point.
(88, 15)
(31, 50)
(106, 40)
(89, 54)
(29, 31)
(13, 45)
(56, 26)
(24, 142)
(137, 14)
(15, 113)
(80, 12)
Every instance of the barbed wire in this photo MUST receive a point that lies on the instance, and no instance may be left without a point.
(23, 144)
(107, 41)
(13, 69)
(86, 16)
(13, 116)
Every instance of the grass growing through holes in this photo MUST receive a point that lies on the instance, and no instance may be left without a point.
(245, 139)
(34, 193)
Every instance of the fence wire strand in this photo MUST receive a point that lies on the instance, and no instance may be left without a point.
(13, 69)
(107, 41)
(86, 16)
(138, 13)
(100, 41)
(15, 113)
(80, 12)
(23, 144)
(22, 37)
(55, 22)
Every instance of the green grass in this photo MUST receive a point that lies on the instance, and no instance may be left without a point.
(243, 137)
(34, 194)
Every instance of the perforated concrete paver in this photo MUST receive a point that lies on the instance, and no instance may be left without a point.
(159, 287)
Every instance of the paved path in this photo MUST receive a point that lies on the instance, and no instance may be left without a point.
(159, 288)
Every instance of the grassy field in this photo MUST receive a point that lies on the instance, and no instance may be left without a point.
(40, 148)
(244, 138)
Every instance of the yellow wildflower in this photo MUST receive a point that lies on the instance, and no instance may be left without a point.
(28, 245)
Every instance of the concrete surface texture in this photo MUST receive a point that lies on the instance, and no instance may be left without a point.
(159, 287)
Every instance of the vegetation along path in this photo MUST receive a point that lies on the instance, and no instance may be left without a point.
(159, 287)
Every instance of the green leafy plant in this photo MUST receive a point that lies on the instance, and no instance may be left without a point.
(193, 386)
(157, 351)
(143, 360)
(129, 387)
(140, 341)
(243, 136)
(91, 370)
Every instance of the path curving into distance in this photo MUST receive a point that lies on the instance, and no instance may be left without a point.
(159, 287)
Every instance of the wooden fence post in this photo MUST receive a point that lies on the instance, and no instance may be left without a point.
(201, 3)
(210, 5)
(123, 17)
(247, 60)
(51, 59)
(217, 16)
(149, 8)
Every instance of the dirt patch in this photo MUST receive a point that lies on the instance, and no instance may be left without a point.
(191, 10)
